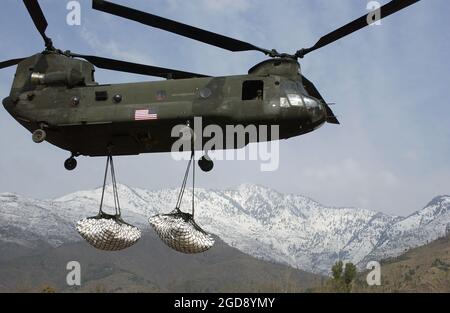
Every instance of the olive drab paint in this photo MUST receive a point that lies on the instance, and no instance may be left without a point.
(59, 93)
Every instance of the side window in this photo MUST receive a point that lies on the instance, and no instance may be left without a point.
(253, 90)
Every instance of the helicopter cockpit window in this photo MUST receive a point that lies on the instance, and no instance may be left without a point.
(295, 99)
(253, 90)
(295, 95)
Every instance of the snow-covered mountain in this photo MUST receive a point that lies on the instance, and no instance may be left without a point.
(259, 221)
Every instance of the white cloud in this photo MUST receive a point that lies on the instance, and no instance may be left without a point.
(388, 178)
(113, 48)
(348, 170)
(411, 155)
(351, 173)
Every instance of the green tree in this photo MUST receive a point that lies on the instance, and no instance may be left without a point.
(343, 277)
(337, 270)
(349, 275)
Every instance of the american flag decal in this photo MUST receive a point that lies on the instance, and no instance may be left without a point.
(145, 115)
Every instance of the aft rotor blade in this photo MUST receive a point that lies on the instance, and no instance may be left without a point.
(135, 68)
(386, 10)
(312, 91)
(181, 29)
(35, 11)
(9, 63)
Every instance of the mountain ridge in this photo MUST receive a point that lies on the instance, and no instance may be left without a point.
(285, 228)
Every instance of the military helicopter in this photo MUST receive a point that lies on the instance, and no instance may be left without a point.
(55, 96)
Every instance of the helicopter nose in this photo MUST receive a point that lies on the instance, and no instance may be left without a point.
(8, 103)
(316, 109)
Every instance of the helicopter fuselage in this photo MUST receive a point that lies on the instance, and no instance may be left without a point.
(59, 94)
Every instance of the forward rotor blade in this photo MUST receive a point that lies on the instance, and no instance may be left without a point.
(181, 29)
(9, 63)
(386, 10)
(135, 68)
(35, 11)
(312, 90)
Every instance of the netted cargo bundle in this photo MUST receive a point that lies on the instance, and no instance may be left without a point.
(179, 231)
(108, 232)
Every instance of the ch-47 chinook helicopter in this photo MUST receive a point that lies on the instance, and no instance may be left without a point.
(54, 94)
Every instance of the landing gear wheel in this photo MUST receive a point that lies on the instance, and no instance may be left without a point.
(70, 164)
(206, 164)
(39, 135)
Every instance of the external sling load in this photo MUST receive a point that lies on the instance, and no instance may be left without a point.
(109, 232)
(179, 230)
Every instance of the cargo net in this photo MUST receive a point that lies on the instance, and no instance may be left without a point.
(178, 230)
(108, 232)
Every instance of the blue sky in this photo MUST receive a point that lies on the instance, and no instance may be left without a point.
(390, 83)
